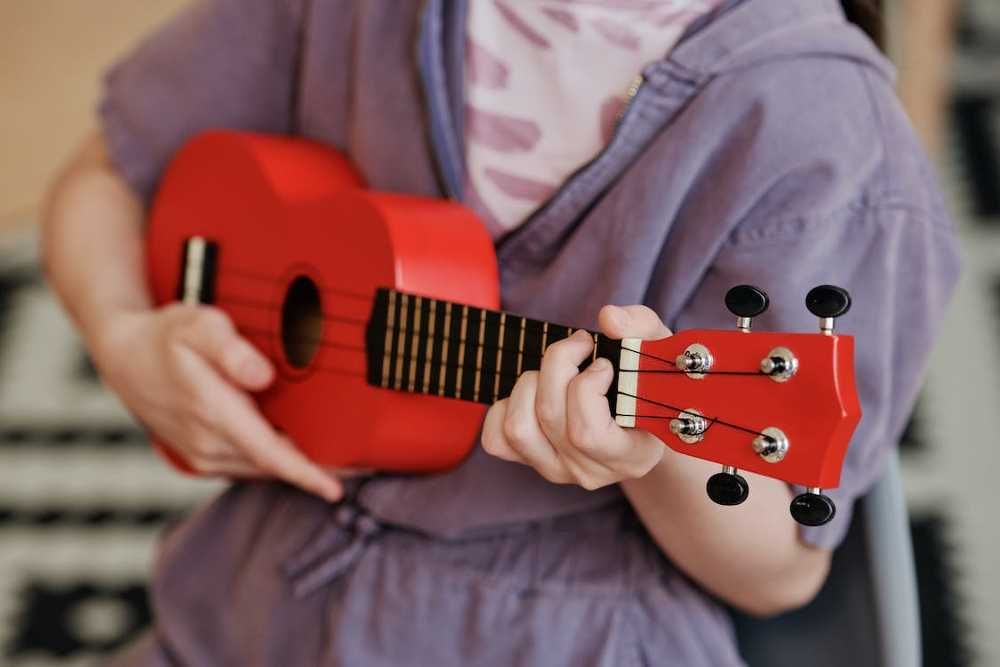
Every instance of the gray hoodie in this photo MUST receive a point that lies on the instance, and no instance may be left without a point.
(767, 148)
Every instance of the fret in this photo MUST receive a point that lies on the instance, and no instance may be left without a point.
(421, 344)
(400, 351)
(473, 319)
(557, 332)
(512, 343)
(387, 355)
(437, 349)
(449, 357)
(429, 350)
(520, 347)
(460, 345)
(479, 357)
(534, 336)
(489, 351)
(499, 362)
(414, 334)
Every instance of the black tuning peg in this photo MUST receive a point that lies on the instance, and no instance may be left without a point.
(727, 487)
(828, 302)
(812, 508)
(746, 302)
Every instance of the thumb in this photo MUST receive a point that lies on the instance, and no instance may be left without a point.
(632, 322)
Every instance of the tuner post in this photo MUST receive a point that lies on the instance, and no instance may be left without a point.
(689, 426)
(779, 364)
(771, 445)
(695, 361)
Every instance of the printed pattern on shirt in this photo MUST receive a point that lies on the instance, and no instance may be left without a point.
(546, 82)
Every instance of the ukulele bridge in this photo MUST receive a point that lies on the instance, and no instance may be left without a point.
(199, 264)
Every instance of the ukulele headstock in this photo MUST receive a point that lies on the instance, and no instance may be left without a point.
(779, 404)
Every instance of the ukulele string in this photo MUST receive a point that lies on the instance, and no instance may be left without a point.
(259, 277)
(227, 299)
(711, 422)
(368, 297)
(422, 341)
(413, 361)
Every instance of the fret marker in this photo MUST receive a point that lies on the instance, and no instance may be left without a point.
(628, 382)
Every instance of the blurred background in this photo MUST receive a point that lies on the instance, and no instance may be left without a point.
(82, 498)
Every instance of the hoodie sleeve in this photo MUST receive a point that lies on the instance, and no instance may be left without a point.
(217, 64)
(899, 268)
(832, 189)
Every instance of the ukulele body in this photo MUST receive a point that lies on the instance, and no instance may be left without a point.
(301, 247)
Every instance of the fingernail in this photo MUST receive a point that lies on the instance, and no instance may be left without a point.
(332, 494)
(254, 371)
(582, 335)
(599, 365)
(620, 316)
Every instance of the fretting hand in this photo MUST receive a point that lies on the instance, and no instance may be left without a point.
(557, 419)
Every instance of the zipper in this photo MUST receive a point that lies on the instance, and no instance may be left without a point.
(433, 67)
(633, 89)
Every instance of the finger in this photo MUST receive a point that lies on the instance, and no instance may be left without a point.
(236, 417)
(560, 364)
(525, 435)
(211, 334)
(631, 322)
(595, 435)
(233, 469)
(493, 439)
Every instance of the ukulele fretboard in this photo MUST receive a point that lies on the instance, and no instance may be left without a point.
(429, 346)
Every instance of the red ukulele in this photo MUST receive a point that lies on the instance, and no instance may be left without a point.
(380, 313)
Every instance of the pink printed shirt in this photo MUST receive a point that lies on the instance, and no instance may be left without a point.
(546, 81)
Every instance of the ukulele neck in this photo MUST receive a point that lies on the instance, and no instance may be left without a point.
(430, 346)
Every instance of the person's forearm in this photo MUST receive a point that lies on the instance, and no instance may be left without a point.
(92, 241)
(749, 555)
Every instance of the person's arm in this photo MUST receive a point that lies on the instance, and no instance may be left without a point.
(557, 420)
(922, 42)
(182, 370)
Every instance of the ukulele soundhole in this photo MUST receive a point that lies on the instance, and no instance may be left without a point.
(301, 322)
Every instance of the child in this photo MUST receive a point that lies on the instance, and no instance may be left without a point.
(762, 144)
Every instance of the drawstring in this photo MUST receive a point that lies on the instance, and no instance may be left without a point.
(335, 548)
